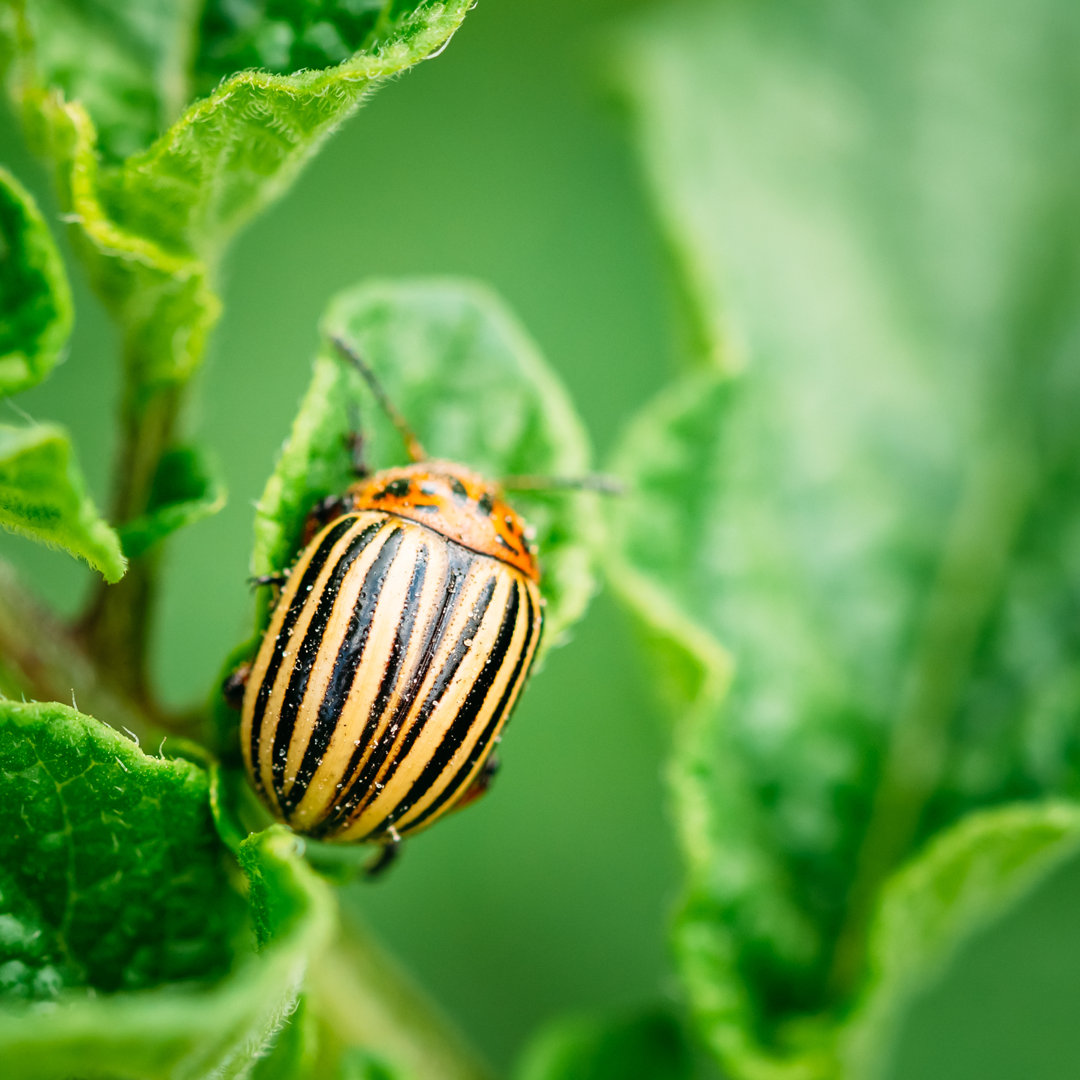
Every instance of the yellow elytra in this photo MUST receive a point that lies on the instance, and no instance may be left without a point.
(399, 644)
(396, 651)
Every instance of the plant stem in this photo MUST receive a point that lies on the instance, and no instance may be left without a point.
(117, 624)
(973, 565)
(44, 660)
(366, 1000)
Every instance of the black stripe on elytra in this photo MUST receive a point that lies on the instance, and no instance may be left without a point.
(458, 562)
(398, 651)
(349, 656)
(288, 624)
(442, 682)
(306, 653)
(517, 679)
(466, 717)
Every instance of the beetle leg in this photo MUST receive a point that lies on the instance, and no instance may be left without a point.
(234, 684)
(268, 579)
(355, 443)
(387, 855)
(322, 513)
(481, 783)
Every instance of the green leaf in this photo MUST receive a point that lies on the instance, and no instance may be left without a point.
(963, 879)
(35, 299)
(742, 935)
(112, 876)
(127, 63)
(647, 1047)
(122, 938)
(294, 1052)
(875, 512)
(236, 149)
(187, 488)
(360, 1065)
(738, 922)
(155, 223)
(283, 36)
(42, 496)
(474, 387)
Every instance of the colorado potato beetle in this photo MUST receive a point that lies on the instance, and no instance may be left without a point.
(399, 644)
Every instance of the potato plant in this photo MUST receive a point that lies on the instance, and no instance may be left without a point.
(848, 546)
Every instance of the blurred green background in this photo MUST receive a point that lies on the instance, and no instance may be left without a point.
(506, 160)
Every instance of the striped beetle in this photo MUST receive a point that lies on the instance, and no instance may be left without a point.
(399, 644)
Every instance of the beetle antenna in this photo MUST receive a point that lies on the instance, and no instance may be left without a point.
(413, 446)
(598, 482)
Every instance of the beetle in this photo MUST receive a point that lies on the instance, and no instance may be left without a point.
(399, 644)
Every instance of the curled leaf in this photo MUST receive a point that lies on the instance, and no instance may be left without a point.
(42, 496)
(156, 203)
(465, 375)
(187, 488)
(35, 299)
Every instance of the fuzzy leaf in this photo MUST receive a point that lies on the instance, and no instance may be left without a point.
(127, 63)
(876, 512)
(746, 926)
(283, 36)
(476, 391)
(123, 946)
(187, 488)
(964, 878)
(294, 1053)
(153, 224)
(42, 496)
(35, 299)
(112, 875)
(299, 1053)
(649, 1047)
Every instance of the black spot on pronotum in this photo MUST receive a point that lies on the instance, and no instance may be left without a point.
(486, 503)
